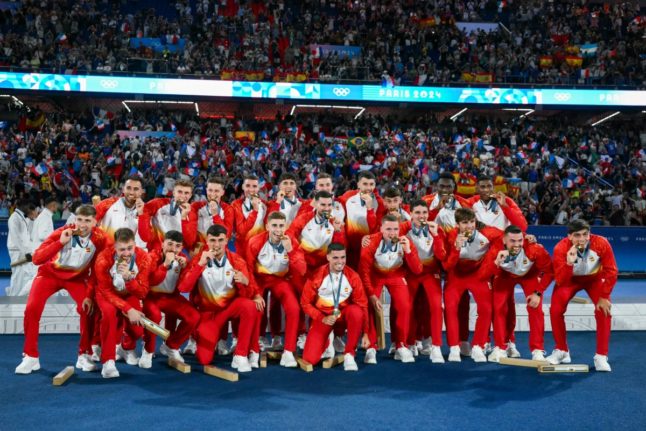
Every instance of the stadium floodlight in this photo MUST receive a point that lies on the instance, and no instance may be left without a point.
(197, 109)
(361, 109)
(605, 118)
(455, 116)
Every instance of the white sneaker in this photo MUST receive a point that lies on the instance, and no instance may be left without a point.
(277, 343)
(171, 353)
(117, 353)
(538, 355)
(191, 347)
(349, 364)
(496, 354)
(477, 354)
(287, 360)
(512, 351)
(418, 344)
(253, 359)
(454, 354)
(601, 363)
(404, 355)
(28, 365)
(84, 363)
(559, 357)
(371, 356)
(109, 370)
(222, 348)
(96, 353)
(130, 356)
(146, 359)
(465, 348)
(301, 341)
(339, 345)
(392, 348)
(487, 348)
(427, 344)
(241, 363)
(413, 350)
(436, 355)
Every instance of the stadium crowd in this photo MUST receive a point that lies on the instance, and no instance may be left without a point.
(401, 43)
(556, 172)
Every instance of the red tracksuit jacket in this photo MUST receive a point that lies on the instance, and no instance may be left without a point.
(138, 286)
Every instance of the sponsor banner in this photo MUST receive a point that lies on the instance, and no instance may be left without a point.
(313, 91)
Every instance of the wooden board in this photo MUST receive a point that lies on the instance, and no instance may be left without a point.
(62, 377)
(564, 368)
(305, 366)
(580, 300)
(179, 366)
(263, 360)
(522, 362)
(221, 373)
(333, 362)
(274, 356)
(155, 328)
(381, 329)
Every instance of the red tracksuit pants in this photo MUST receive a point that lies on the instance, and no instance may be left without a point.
(561, 297)
(174, 306)
(284, 293)
(400, 309)
(317, 339)
(429, 316)
(113, 325)
(210, 326)
(42, 288)
(503, 289)
(456, 285)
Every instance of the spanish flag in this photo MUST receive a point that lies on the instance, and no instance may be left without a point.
(545, 61)
(574, 60)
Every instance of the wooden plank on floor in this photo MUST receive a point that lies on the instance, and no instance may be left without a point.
(333, 362)
(221, 373)
(62, 377)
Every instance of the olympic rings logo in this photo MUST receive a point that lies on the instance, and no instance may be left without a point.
(340, 91)
(562, 97)
(109, 83)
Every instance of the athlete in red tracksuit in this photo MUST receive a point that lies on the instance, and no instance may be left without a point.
(429, 243)
(513, 261)
(499, 211)
(324, 183)
(334, 297)
(387, 263)
(361, 209)
(392, 199)
(122, 274)
(583, 261)
(315, 230)
(249, 213)
(286, 201)
(163, 214)
(225, 289)
(64, 261)
(213, 210)
(117, 212)
(168, 265)
(442, 206)
(467, 247)
(278, 265)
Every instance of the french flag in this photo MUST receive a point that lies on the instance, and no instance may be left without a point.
(191, 172)
(533, 145)
(39, 169)
(310, 178)
(135, 171)
(398, 137)
(567, 183)
(61, 38)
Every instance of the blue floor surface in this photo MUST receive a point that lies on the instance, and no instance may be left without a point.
(387, 396)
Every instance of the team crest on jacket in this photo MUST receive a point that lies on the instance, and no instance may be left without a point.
(482, 243)
(525, 261)
(228, 273)
(88, 250)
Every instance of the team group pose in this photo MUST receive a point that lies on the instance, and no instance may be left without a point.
(322, 264)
